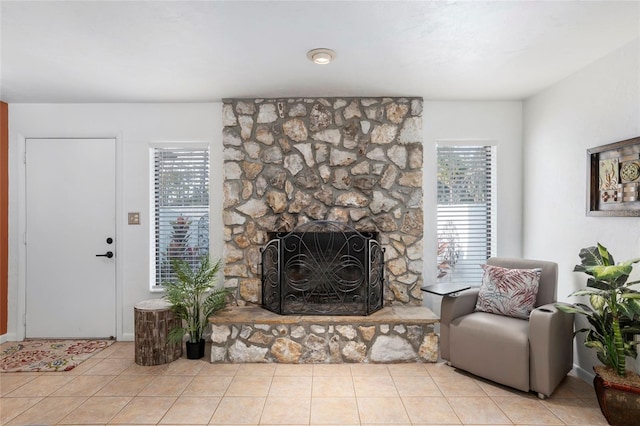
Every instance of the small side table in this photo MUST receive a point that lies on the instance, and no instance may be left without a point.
(153, 321)
(445, 289)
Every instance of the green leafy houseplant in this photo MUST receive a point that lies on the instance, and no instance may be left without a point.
(194, 297)
(614, 314)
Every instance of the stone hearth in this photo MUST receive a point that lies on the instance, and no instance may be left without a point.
(243, 334)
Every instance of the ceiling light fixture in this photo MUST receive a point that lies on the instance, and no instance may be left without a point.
(321, 56)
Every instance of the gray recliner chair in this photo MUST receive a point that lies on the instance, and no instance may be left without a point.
(534, 354)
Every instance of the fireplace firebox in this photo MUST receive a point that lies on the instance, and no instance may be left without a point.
(323, 268)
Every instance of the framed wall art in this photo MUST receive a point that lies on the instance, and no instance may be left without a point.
(614, 179)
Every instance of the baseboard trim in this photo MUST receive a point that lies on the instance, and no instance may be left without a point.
(9, 337)
(583, 374)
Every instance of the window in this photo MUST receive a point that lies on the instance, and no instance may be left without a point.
(466, 197)
(181, 207)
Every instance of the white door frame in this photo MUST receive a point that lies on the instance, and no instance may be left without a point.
(20, 317)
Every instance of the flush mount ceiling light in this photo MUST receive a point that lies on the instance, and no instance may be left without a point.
(321, 56)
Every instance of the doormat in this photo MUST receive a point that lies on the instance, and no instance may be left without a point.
(49, 355)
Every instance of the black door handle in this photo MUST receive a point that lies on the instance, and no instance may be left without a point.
(108, 254)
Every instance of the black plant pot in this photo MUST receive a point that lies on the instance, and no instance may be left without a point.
(195, 350)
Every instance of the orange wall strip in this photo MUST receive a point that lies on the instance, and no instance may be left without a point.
(4, 214)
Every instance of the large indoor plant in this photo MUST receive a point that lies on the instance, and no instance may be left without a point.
(613, 314)
(194, 298)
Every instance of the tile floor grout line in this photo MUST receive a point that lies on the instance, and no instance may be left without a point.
(357, 403)
(114, 415)
(573, 393)
(169, 409)
(538, 401)
(511, 421)
(402, 401)
(266, 397)
(453, 410)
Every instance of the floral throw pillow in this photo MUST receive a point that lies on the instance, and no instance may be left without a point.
(509, 292)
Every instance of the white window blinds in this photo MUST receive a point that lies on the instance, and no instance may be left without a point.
(465, 211)
(181, 222)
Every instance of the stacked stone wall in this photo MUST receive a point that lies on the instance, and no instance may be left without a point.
(311, 340)
(353, 160)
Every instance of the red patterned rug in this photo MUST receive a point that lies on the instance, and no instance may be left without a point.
(48, 355)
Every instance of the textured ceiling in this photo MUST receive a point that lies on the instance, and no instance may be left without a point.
(185, 51)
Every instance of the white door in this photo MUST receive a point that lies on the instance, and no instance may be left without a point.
(70, 208)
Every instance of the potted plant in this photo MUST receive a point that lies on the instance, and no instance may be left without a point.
(614, 317)
(194, 298)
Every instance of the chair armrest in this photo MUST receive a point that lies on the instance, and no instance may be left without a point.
(551, 347)
(451, 308)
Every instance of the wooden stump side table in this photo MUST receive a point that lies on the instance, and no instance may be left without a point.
(153, 321)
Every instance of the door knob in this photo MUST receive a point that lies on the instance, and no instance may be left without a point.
(108, 254)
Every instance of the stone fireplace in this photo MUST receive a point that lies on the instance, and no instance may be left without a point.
(322, 268)
(357, 161)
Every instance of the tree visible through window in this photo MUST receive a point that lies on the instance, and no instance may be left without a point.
(465, 211)
(181, 207)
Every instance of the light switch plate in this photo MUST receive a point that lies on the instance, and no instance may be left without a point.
(134, 218)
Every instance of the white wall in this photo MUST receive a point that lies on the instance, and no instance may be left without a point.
(598, 105)
(135, 126)
(495, 123)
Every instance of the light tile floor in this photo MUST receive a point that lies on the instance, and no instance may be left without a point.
(110, 388)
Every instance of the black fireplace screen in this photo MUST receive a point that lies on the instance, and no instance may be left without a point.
(323, 268)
